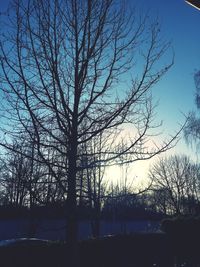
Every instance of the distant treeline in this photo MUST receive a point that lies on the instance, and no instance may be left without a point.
(60, 211)
(29, 188)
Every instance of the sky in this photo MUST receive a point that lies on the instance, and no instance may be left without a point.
(175, 92)
(179, 23)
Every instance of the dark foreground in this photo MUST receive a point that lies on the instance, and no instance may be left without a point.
(136, 250)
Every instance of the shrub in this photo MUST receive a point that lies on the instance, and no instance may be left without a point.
(182, 226)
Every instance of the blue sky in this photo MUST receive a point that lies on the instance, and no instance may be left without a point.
(175, 92)
(179, 24)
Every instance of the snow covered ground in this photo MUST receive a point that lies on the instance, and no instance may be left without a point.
(55, 229)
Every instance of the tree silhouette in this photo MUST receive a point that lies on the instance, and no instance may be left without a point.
(69, 74)
(192, 129)
(176, 184)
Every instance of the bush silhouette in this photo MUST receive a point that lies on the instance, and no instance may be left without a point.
(184, 226)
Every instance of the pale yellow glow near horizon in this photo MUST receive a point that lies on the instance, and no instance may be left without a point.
(195, 6)
(137, 173)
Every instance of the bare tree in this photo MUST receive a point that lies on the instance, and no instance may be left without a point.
(20, 175)
(68, 73)
(192, 128)
(161, 200)
(176, 184)
(16, 177)
(95, 179)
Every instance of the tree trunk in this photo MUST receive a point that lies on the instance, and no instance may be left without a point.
(72, 224)
(96, 223)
